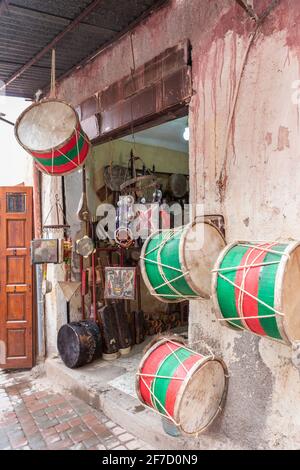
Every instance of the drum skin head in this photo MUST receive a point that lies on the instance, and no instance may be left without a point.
(46, 125)
(201, 398)
(290, 296)
(200, 250)
(68, 346)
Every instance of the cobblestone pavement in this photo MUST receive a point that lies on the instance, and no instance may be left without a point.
(34, 417)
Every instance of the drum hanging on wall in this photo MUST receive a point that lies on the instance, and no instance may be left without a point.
(256, 287)
(185, 386)
(176, 264)
(50, 132)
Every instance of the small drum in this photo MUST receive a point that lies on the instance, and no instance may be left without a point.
(50, 132)
(256, 287)
(182, 385)
(176, 264)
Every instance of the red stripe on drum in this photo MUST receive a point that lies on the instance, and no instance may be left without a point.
(151, 366)
(66, 148)
(71, 166)
(174, 387)
(249, 277)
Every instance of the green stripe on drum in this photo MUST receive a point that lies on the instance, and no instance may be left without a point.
(63, 159)
(152, 270)
(266, 292)
(225, 290)
(168, 368)
(170, 257)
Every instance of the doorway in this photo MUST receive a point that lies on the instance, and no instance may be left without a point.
(161, 151)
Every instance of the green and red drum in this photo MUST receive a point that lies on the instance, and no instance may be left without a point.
(182, 385)
(50, 132)
(256, 287)
(176, 264)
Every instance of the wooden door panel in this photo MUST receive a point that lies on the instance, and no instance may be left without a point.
(16, 306)
(15, 270)
(16, 343)
(15, 233)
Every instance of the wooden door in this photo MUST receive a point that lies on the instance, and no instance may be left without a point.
(16, 307)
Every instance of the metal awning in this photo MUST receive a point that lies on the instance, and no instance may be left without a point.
(77, 29)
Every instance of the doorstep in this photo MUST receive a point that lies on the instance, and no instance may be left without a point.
(110, 387)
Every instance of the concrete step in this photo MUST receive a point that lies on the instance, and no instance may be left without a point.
(110, 387)
(92, 384)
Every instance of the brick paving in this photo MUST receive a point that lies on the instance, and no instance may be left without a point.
(34, 417)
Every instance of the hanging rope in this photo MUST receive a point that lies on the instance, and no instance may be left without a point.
(59, 209)
(53, 75)
(133, 70)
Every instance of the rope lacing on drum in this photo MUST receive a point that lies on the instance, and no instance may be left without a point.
(167, 237)
(154, 399)
(242, 292)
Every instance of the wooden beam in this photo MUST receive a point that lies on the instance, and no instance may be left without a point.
(87, 11)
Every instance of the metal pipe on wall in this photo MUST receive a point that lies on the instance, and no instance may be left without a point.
(41, 336)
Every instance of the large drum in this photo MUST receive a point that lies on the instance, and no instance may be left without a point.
(256, 287)
(50, 132)
(79, 343)
(176, 264)
(178, 383)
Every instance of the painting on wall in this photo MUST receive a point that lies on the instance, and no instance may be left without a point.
(45, 251)
(120, 283)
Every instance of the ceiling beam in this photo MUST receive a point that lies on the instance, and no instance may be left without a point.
(55, 19)
(87, 11)
(159, 4)
(8, 62)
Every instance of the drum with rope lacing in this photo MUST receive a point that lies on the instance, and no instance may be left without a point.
(256, 288)
(50, 132)
(176, 264)
(186, 387)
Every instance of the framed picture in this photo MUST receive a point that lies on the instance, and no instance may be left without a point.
(44, 251)
(120, 283)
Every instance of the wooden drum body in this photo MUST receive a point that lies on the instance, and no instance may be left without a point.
(50, 132)
(256, 287)
(186, 387)
(176, 264)
(79, 343)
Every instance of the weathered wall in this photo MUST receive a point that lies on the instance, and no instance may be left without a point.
(260, 198)
(55, 315)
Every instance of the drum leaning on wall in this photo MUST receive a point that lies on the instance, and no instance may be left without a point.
(79, 343)
(176, 264)
(50, 132)
(182, 385)
(256, 287)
